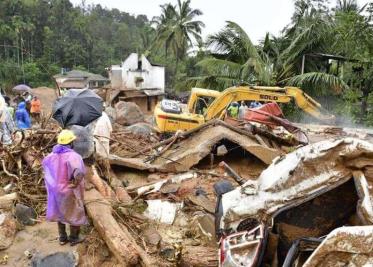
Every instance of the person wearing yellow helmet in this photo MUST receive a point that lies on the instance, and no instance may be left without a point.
(64, 179)
(66, 137)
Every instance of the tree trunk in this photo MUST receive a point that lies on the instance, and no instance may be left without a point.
(364, 105)
(99, 210)
(199, 256)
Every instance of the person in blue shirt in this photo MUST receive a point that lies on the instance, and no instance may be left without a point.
(22, 117)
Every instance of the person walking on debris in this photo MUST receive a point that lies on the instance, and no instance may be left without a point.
(22, 117)
(64, 173)
(233, 110)
(35, 109)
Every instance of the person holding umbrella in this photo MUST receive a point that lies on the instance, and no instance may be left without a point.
(64, 173)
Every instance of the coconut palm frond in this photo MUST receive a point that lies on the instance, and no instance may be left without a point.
(220, 67)
(320, 82)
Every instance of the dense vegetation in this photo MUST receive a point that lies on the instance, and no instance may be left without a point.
(38, 37)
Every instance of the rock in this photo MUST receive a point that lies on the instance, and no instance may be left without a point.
(203, 225)
(128, 113)
(203, 202)
(170, 188)
(141, 128)
(58, 259)
(8, 229)
(152, 237)
(221, 150)
(167, 251)
(112, 113)
(153, 177)
(83, 144)
(25, 215)
(181, 220)
(28, 254)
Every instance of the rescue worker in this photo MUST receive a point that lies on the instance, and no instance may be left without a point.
(35, 109)
(22, 117)
(242, 110)
(64, 173)
(233, 110)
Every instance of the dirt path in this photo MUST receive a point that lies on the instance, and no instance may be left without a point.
(41, 238)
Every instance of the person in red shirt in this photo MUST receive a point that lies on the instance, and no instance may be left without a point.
(35, 109)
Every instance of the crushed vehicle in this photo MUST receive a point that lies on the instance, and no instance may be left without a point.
(281, 218)
(205, 105)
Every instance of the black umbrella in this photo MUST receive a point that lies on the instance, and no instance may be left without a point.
(77, 107)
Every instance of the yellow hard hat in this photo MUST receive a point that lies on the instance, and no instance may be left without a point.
(66, 137)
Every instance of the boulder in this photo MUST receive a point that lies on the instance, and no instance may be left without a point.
(112, 113)
(141, 128)
(8, 229)
(58, 259)
(25, 215)
(128, 113)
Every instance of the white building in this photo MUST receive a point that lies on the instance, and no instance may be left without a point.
(137, 80)
(137, 73)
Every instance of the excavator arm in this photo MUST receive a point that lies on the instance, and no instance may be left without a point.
(267, 94)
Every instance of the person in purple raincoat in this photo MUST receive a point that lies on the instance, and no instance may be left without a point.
(64, 179)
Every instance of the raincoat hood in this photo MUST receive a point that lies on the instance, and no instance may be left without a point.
(59, 149)
(22, 105)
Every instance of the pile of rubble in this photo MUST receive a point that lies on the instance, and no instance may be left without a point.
(260, 190)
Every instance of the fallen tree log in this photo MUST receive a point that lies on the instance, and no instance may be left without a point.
(199, 256)
(145, 260)
(116, 184)
(122, 247)
(105, 190)
(6, 201)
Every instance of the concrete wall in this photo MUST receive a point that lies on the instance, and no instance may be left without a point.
(115, 76)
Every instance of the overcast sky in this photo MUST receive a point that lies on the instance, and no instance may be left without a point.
(256, 16)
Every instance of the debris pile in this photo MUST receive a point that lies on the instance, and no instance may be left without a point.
(21, 167)
(168, 202)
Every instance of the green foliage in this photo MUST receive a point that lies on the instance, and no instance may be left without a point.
(177, 30)
(39, 37)
(319, 83)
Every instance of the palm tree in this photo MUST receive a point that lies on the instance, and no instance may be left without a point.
(234, 58)
(277, 61)
(177, 28)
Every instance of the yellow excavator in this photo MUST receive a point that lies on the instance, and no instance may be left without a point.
(204, 105)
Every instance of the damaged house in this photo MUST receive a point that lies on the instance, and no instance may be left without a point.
(137, 80)
(77, 79)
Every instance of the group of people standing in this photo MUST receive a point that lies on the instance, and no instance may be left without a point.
(21, 107)
(15, 114)
(237, 111)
